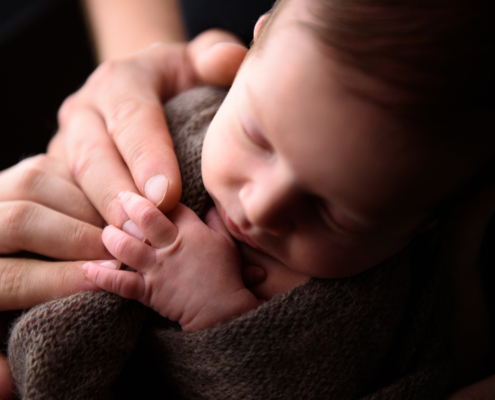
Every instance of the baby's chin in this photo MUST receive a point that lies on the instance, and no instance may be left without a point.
(276, 284)
(279, 277)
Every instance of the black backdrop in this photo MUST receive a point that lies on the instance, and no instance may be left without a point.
(45, 55)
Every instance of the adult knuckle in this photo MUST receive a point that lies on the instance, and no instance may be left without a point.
(110, 206)
(84, 209)
(11, 279)
(81, 233)
(67, 108)
(39, 161)
(105, 71)
(124, 129)
(83, 160)
(14, 217)
(30, 181)
(64, 276)
(138, 152)
(120, 121)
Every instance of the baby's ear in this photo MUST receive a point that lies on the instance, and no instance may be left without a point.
(259, 25)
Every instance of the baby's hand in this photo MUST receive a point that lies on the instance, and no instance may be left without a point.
(191, 273)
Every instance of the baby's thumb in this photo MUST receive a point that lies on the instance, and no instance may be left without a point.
(215, 223)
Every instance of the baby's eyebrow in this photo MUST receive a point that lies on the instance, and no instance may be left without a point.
(256, 111)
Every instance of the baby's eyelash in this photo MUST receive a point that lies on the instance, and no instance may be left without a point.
(329, 221)
(257, 138)
(327, 218)
(352, 228)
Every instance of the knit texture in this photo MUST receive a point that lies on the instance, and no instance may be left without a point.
(382, 334)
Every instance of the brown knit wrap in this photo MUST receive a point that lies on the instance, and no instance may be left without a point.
(379, 335)
(73, 348)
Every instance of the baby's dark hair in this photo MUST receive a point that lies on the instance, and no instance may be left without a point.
(439, 54)
(436, 59)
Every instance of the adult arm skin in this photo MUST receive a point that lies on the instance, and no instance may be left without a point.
(122, 27)
(42, 211)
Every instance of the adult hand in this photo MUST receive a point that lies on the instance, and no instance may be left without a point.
(113, 134)
(44, 212)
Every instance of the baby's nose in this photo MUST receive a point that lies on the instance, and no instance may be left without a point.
(267, 207)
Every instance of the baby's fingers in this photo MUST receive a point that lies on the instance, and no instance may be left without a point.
(214, 221)
(157, 228)
(128, 249)
(123, 283)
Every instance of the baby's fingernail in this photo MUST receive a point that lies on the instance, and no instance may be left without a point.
(132, 229)
(122, 194)
(155, 189)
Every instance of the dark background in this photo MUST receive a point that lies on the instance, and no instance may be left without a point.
(45, 54)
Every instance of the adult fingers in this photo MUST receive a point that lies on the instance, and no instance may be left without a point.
(136, 123)
(218, 65)
(44, 163)
(38, 229)
(125, 98)
(25, 283)
(483, 390)
(129, 101)
(216, 56)
(46, 181)
(96, 164)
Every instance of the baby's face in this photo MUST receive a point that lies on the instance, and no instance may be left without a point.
(303, 170)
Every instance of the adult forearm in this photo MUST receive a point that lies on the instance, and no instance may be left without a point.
(121, 27)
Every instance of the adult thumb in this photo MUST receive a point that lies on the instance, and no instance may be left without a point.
(216, 56)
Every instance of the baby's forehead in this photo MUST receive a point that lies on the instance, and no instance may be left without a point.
(356, 111)
(286, 14)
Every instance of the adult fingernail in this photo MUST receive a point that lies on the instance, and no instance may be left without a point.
(155, 188)
(132, 229)
(112, 264)
(122, 195)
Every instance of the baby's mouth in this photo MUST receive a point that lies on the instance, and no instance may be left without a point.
(237, 233)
